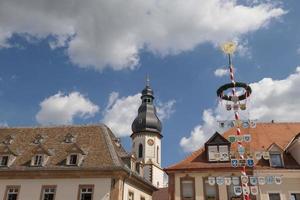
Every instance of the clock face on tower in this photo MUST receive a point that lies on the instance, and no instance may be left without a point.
(150, 142)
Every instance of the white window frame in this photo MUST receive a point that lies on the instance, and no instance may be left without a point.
(293, 192)
(281, 158)
(50, 187)
(12, 187)
(40, 163)
(275, 191)
(130, 192)
(69, 159)
(1, 159)
(86, 187)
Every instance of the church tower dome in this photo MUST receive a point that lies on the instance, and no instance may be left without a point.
(146, 120)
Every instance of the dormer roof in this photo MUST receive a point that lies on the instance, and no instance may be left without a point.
(264, 136)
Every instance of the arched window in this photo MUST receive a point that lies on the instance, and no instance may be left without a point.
(157, 154)
(140, 151)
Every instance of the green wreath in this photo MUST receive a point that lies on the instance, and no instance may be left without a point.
(223, 88)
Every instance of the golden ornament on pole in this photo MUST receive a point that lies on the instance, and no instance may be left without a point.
(228, 47)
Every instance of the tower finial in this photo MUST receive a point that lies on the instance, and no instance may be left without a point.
(147, 80)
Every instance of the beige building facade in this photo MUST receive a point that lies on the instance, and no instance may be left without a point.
(196, 177)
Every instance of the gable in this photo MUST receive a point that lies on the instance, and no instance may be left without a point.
(217, 138)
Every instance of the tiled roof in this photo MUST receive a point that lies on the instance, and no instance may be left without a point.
(97, 141)
(263, 136)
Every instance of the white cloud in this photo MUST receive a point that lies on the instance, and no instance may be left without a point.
(270, 100)
(220, 72)
(62, 109)
(121, 112)
(3, 125)
(101, 34)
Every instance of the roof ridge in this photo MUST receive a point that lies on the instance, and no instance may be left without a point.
(53, 126)
(111, 149)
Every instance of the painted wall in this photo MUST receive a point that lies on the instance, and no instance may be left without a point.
(66, 188)
(157, 177)
(137, 193)
(290, 184)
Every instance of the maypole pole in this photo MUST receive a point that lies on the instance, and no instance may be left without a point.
(229, 48)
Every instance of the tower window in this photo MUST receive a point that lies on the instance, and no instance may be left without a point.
(157, 154)
(140, 151)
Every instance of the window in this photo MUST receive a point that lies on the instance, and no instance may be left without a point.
(210, 191)
(143, 198)
(274, 196)
(3, 161)
(130, 195)
(157, 154)
(12, 192)
(86, 192)
(275, 159)
(48, 192)
(38, 160)
(295, 196)
(187, 189)
(212, 150)
(140, 151)
(73, 159)
(224, 153)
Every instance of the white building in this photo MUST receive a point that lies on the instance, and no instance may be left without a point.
(146, 139)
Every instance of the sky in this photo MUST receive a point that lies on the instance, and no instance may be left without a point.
(68, 62)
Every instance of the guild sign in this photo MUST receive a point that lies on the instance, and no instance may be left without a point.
(258, 155)
(231, 138)
(227, 180)
(266, 155)
(250, 162)
(234, 162)
(237, 190)
(254, 190)
(269, 180)
(278, 180)
(235, 180)
(246, 190)
(244, 179)
(220, 180)
(247, 138)
(253, 180)
(261, 180)
(211, 180)
(242, 163)
(241, 150)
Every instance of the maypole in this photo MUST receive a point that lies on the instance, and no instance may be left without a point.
(229, 49)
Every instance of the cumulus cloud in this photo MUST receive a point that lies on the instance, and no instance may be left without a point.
(270, 100)
(121, 111)
(63, 108)
(220, 72)
(100, 34)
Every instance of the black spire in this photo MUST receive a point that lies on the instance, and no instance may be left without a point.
(147, 120)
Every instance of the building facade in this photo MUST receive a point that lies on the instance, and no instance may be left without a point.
(210, 173)
(146, 139)
(68, 162)
(82, 162)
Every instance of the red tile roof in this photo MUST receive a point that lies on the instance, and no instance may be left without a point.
(264, 135)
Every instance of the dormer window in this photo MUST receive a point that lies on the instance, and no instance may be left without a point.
(76, 155)
(217, 148)
(37, 160)
(70, 138)
(4, 161)
(73, 159)
(276, 159)
(276, 155)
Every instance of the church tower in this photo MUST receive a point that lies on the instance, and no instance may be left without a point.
(146, 138)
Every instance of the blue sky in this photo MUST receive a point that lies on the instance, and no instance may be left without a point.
(50, 60)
